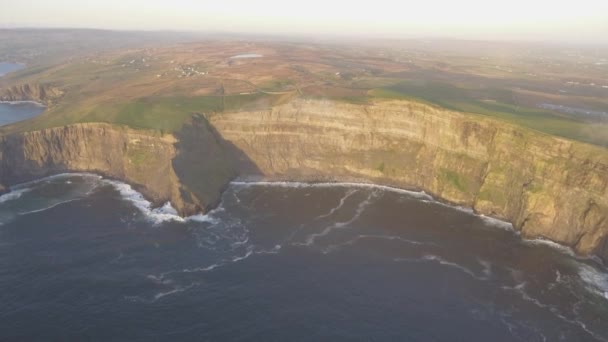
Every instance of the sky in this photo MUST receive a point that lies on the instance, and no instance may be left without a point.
(557, 20)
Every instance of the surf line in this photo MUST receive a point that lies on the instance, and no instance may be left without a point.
(421, 195)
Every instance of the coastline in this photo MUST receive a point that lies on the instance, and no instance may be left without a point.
(165, 211)
(23, 102)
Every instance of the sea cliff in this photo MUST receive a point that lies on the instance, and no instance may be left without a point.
(44, 94)
(158, 165)
(546, 186)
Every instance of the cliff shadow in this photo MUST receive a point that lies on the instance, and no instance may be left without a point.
(206, 163)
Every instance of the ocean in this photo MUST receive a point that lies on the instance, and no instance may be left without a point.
(86, 258)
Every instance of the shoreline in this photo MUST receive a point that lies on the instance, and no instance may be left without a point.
(157, 214)
(150, 208)
(23, 102)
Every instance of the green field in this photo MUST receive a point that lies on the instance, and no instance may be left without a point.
(496, 103)
(167, 114)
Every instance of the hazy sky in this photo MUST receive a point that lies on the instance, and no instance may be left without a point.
(580, 20)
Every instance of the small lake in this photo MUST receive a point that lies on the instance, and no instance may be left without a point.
(247, 55)
(6, 67)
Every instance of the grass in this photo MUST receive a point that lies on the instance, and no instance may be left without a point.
(168, 114)
(381, 167)
(276, 85)
(500, 106)
(108, 88)
(160, 113)
(455, 180)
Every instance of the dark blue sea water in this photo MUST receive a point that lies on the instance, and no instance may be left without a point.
(83, 258)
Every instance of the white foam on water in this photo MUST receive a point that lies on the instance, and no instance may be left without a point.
(48, 207)
(206, 218)
(595, 280)
(451, 206)
(17, 191)
(487, 268)
(157, 296)
(423, 196)
(297, 185)
(546, 242)
(274, 250)
(487, 271)
(441, 261)
(196, 269)
(163, 277)
(13, 195)
(222, 263)
(339, 225)
(521, 290)
(160, 280)
(558, 277)
(38, 104)
(239, 258)
(339, 206)
(55, 177)
(393, 238)
(354, 240)
(203, 218)
(155, 215)
(177, 289)
(491, 221)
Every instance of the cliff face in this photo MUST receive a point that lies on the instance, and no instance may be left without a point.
(31, 92)
(143, 159)
(548, 187)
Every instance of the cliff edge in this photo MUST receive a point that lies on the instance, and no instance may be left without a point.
(155, 164)
(546, 186)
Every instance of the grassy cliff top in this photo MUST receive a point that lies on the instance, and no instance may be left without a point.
(161, 87)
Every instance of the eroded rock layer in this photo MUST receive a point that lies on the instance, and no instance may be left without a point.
(144, 159)
(546, 186)
(44, 94)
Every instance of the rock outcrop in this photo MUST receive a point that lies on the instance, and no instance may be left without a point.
(546, 186)
(145, 159)
(44, 94)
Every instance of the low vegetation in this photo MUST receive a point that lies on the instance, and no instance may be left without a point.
(161, 87)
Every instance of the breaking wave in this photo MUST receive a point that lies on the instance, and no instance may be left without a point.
(552, 244)
(154, 215)
(595, 280)
(13, 195)
(421, 195)
(297, 185)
